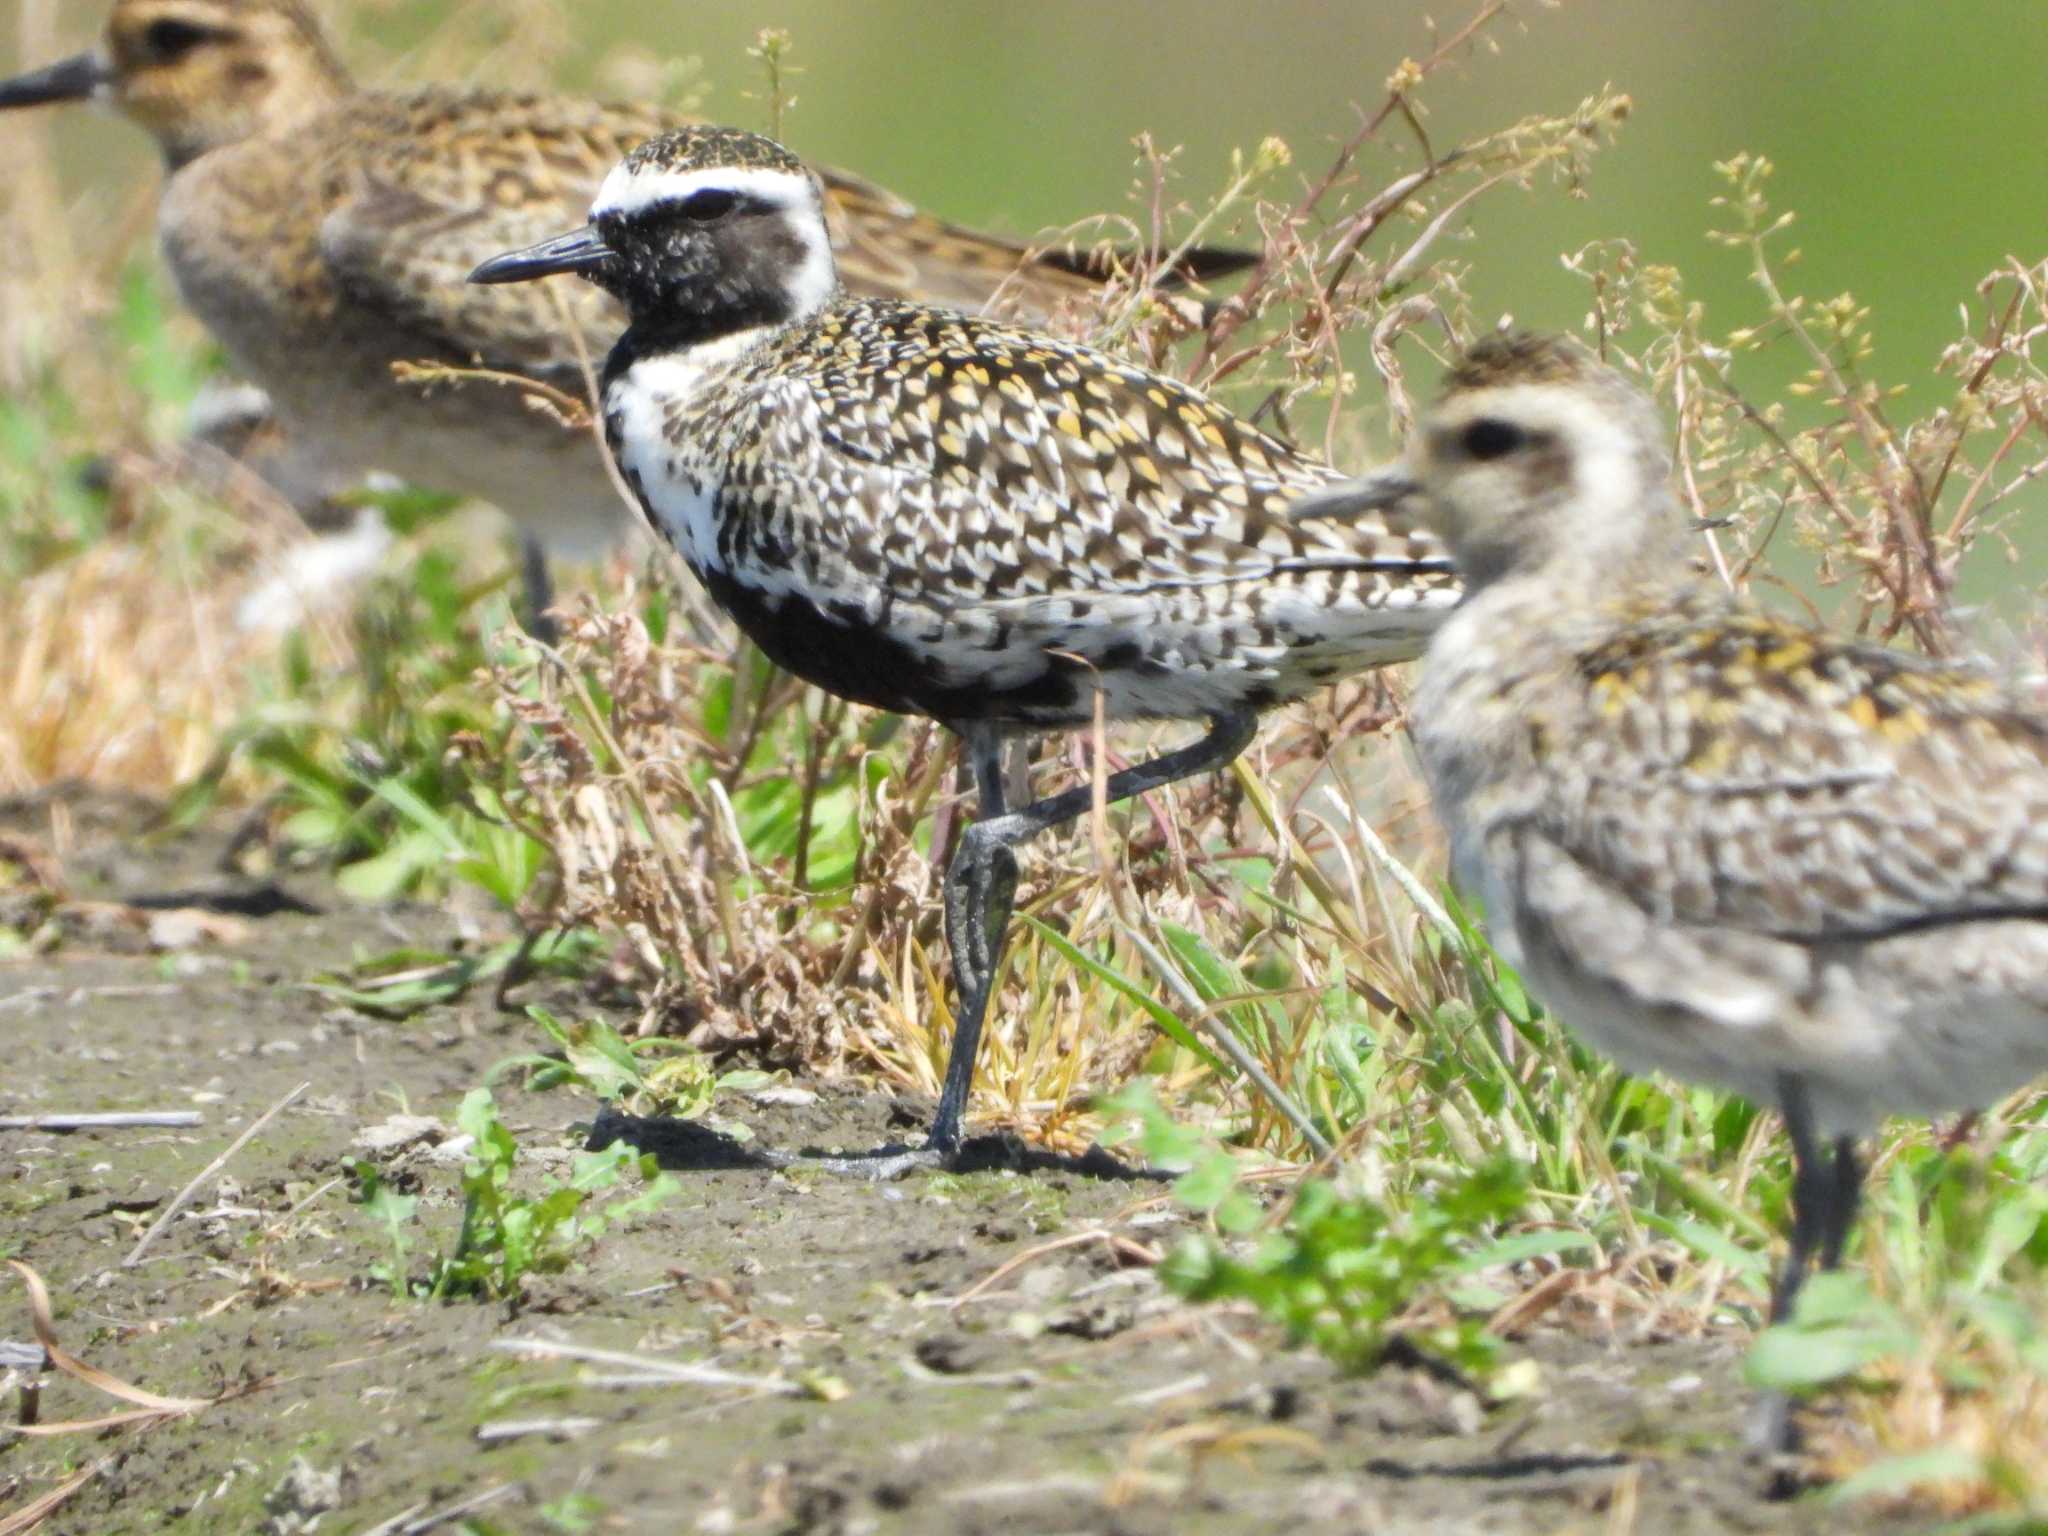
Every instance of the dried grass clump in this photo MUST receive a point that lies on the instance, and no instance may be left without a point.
(634, 803)
(760, 852)
(120, 667)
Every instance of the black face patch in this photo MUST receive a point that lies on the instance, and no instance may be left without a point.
(689, 270)
(709, 203)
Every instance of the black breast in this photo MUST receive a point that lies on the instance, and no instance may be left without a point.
(838, 650)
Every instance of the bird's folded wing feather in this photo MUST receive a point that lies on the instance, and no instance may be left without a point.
(969, 459)
(1756, 776)
(411, 217)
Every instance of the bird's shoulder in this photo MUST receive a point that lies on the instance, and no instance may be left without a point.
(1711, 690)
(418, 187)
(965, 380)
(1727, 766)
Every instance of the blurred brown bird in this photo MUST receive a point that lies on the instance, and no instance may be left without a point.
(1716, 843)
(323, 232)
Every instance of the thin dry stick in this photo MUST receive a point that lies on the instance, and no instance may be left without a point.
(100, 1122)
(499, 1431)
(1204, 1017)
(185, 1195)
(1117, 1243)
(404, 1522)
(682, 1373)
(1400, 873)
(29, 1516)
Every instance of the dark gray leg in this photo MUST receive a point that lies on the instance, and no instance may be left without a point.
(981, 884)
(1826, 1186)
(1813, 1184)
(1845, 1192)
(537, 591)
(983, 881)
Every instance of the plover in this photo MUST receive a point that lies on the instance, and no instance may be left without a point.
(1717, 843)
(956, 518)
(322, 232)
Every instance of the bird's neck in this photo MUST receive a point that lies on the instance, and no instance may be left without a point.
(711, 347)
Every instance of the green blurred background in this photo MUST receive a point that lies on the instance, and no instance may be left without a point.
(1911, 138)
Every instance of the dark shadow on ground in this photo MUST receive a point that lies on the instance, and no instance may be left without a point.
(1498, 1468)
(687, 1146)
(266, 900)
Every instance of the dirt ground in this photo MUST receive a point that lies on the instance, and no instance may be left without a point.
(903, 1391)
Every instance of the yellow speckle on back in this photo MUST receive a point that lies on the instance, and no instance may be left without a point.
(1069, 423)
(1712, 755)
(1863, 710)
(1610, 693)
(1788, 656)
(1720, 709)
(1905, 726)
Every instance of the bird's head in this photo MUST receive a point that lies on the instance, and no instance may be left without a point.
(707, 230)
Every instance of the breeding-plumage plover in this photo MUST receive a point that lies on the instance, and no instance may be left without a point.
(956, 518)
(1735, 848)
(322, 233)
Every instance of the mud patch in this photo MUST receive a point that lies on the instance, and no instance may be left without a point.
(851, 1388)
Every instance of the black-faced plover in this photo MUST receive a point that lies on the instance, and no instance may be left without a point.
(956, 518)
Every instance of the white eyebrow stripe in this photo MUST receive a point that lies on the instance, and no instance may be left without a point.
(629, 189)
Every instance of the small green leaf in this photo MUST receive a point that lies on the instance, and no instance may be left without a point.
(1896, 1476)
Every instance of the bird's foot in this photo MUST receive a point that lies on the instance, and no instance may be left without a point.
(1773, 1439)
(883, 1165)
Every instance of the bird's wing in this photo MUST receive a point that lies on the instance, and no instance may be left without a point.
(964, 459)
(888, 248)
(1742, 772)
(415, 207)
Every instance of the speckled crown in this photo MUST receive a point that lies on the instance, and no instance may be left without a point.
(702, 147)
(1523, 357)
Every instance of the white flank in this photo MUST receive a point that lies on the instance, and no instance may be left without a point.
(640, 404)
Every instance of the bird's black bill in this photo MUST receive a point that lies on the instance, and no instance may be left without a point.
(73, 80)
(578, 251)
(1371, 492)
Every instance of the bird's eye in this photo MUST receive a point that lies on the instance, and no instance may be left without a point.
(171, 38)
(1491, 438)
(711, 203)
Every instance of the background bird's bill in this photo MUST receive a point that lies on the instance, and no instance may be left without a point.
(73, 79)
